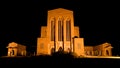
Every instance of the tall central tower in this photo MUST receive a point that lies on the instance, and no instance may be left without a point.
(60, 34)
(60, 28)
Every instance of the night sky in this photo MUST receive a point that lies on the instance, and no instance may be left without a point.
(21, 21)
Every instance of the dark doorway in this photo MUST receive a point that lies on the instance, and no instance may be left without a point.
(60, 49)
(69, 50)
(52, 50)
(12, 53)
(107, 52)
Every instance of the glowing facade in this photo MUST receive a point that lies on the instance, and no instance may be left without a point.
(104, 49)
(60, 34)
(15, 49)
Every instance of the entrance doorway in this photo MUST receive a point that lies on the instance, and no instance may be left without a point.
(12, 53)
(52, 50)
(107, 52)
(60, 49)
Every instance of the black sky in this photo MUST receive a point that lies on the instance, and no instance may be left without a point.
(21, 20)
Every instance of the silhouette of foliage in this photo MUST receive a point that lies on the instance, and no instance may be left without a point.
(61, 54)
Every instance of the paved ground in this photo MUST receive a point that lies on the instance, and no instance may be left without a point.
(110, 57)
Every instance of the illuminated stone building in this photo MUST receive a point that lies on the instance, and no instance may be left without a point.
(99, 50)
(15, 49)
(60, 34)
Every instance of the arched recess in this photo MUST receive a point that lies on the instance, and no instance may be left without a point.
(68, 29)
(60, 28)
(52, 50)
(107, 52)
(60, 49)
(52, 21)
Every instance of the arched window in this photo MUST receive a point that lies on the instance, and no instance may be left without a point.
(68, 30)
(52, 29)
(60, 30)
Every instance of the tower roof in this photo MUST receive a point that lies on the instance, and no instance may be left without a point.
(60, 9)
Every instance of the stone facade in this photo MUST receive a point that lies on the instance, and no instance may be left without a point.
(15, 49)
(99, 50)
(61, 34)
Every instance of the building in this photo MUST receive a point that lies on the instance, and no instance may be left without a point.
(60, 34)
(15, 49)
(99, 50)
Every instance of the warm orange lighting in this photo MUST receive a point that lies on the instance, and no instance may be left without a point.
(15, 49)
(61, 34)
(109, 57)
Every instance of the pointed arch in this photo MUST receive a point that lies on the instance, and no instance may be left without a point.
(68, 29)
(52, 21)
(60, 29)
